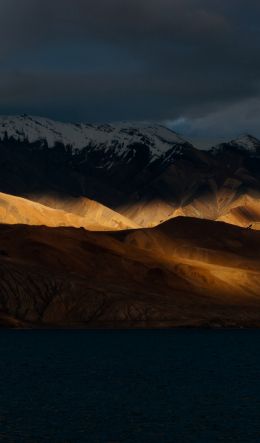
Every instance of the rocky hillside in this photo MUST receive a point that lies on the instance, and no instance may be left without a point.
(186, 272)
(208, 185)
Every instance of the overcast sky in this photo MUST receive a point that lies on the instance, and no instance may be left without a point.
(194, 64)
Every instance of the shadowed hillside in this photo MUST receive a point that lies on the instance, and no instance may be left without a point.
(185, 272)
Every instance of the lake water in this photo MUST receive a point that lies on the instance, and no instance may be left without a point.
(179, 386)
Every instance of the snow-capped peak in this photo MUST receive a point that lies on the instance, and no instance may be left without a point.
(80, 135)
(247, 142)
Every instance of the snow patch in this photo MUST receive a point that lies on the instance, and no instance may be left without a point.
(99, 137)
(244, 142)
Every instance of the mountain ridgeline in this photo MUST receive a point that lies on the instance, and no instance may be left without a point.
(102, 162)
(146, 172)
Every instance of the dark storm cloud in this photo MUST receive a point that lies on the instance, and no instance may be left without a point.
(128, 59)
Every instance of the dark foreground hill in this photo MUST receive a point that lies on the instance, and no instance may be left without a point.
(185, 272)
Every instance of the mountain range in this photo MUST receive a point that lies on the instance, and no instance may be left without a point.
(126, 225)
(146, 173)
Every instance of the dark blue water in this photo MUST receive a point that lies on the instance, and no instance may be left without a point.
(131, 386)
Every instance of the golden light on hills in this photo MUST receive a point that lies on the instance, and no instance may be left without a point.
(224, 205)
(76, 213)
(185, 272)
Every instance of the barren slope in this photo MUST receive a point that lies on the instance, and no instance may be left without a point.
(185, 272)
(74, 212)
(226, 203)
(245, 212)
